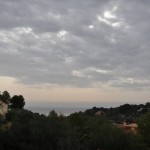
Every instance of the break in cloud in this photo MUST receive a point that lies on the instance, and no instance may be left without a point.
(77, 43)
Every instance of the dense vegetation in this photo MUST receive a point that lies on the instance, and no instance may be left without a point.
(16, 102)
(25, 130)
(127, 112)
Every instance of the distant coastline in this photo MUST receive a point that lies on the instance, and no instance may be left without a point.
(60, 110)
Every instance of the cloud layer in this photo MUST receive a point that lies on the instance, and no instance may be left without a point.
(76, 43)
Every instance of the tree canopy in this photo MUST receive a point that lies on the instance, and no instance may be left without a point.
(5, 97)
(144, 127)
(23, 129)
(17, 102)
(75, 132)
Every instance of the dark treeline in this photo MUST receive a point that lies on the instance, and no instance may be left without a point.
(24, 130)
(127, 112)
(16, 101)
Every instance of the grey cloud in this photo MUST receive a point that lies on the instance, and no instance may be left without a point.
(56, 42)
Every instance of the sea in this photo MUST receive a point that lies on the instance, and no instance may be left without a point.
(66, 111)
(67, 108)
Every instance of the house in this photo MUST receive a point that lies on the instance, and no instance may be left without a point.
(128, 128)
(3, 108)
(99, 113)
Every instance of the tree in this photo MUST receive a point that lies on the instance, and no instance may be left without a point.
(17, 102)
(124, 109)
(144, 127)
(5, 97)
(53, 114)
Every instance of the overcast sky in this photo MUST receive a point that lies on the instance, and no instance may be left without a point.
(75, 50)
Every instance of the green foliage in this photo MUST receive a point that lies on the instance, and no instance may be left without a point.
(144, 127)
(124, 109)
(5, 97)
(79, 131)
(91, 112)
(31, 130)
(53, 114)
(107, 136)
(17, 102)
(77, 119)
(75, 132)
(126, 112)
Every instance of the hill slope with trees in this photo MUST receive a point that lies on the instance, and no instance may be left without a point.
(25, 130)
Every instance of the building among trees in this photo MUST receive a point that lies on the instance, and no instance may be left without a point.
(3, 108)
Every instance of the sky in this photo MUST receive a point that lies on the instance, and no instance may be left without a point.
(75, 52)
